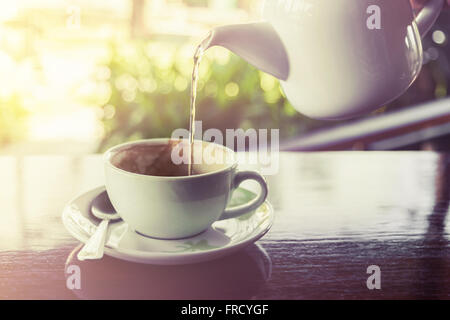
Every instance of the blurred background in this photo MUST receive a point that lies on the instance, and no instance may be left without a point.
(80, 76)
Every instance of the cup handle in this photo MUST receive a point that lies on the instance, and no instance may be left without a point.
(428, 15)
(254, 203)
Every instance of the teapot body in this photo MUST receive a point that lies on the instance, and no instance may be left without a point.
(346, 57)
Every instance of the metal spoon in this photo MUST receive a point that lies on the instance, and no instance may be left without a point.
(101, 208)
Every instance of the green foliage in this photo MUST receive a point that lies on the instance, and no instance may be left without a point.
(150, 94)
(12, 120)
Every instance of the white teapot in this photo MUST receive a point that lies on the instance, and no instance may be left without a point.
(336, 59)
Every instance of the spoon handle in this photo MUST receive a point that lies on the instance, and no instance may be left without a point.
(93, 249)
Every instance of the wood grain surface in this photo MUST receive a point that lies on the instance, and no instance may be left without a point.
(336, 214)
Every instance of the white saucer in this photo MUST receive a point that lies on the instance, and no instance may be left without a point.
(222, 238)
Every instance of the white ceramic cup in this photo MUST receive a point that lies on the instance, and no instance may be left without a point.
(181, 206)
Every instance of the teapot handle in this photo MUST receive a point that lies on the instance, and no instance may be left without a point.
(428, 15)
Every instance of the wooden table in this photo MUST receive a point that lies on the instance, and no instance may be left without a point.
(336, 214)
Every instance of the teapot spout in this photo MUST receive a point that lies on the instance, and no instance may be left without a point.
(257, 43)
